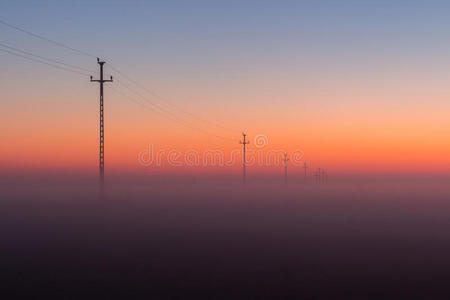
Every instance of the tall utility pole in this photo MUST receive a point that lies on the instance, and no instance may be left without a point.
(102, 128)
(285, 167)
(244, 142)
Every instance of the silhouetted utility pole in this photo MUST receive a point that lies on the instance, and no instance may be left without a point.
(102, 128)
(305, 166)
(285, 167)
(319, 173)
(244, 142)
(325, 175)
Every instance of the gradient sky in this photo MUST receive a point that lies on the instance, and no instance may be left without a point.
(358, 86)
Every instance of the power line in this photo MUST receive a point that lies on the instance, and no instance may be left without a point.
(112, 67)
(171, 118)
(163, 111)
(45, 58)
(169, 102)
(52, 61)
(148, 107)
(150, 102)
(44, 62)
(46, 39)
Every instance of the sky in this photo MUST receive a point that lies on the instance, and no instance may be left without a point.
(355, 86)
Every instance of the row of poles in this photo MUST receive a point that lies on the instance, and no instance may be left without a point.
(320, 176)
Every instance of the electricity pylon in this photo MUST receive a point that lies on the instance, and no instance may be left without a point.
(102, 128)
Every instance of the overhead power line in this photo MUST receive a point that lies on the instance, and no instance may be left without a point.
(169, 117)
(165, 112)
(148, 101)
(69, 67)
(47, 39)
(152, 108)
(154, 94)
(43, 62)
(45, 58)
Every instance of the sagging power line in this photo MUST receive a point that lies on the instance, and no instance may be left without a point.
(44, 62)
(170, 115)
(176, 121)
(164, 100)
(59, 44)
(67, 47)
(71, 68)
(45, 58)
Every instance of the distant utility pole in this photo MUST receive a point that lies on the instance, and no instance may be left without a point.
(102, 128)
(305, 166)
(285, 167)
(319, 174)
(243, 142)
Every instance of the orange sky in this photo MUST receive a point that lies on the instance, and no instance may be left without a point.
(361, 95)
(365, 138)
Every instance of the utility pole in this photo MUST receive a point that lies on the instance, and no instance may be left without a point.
(285, 167)
(319, 174)
(244, 142)
(102, 128)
